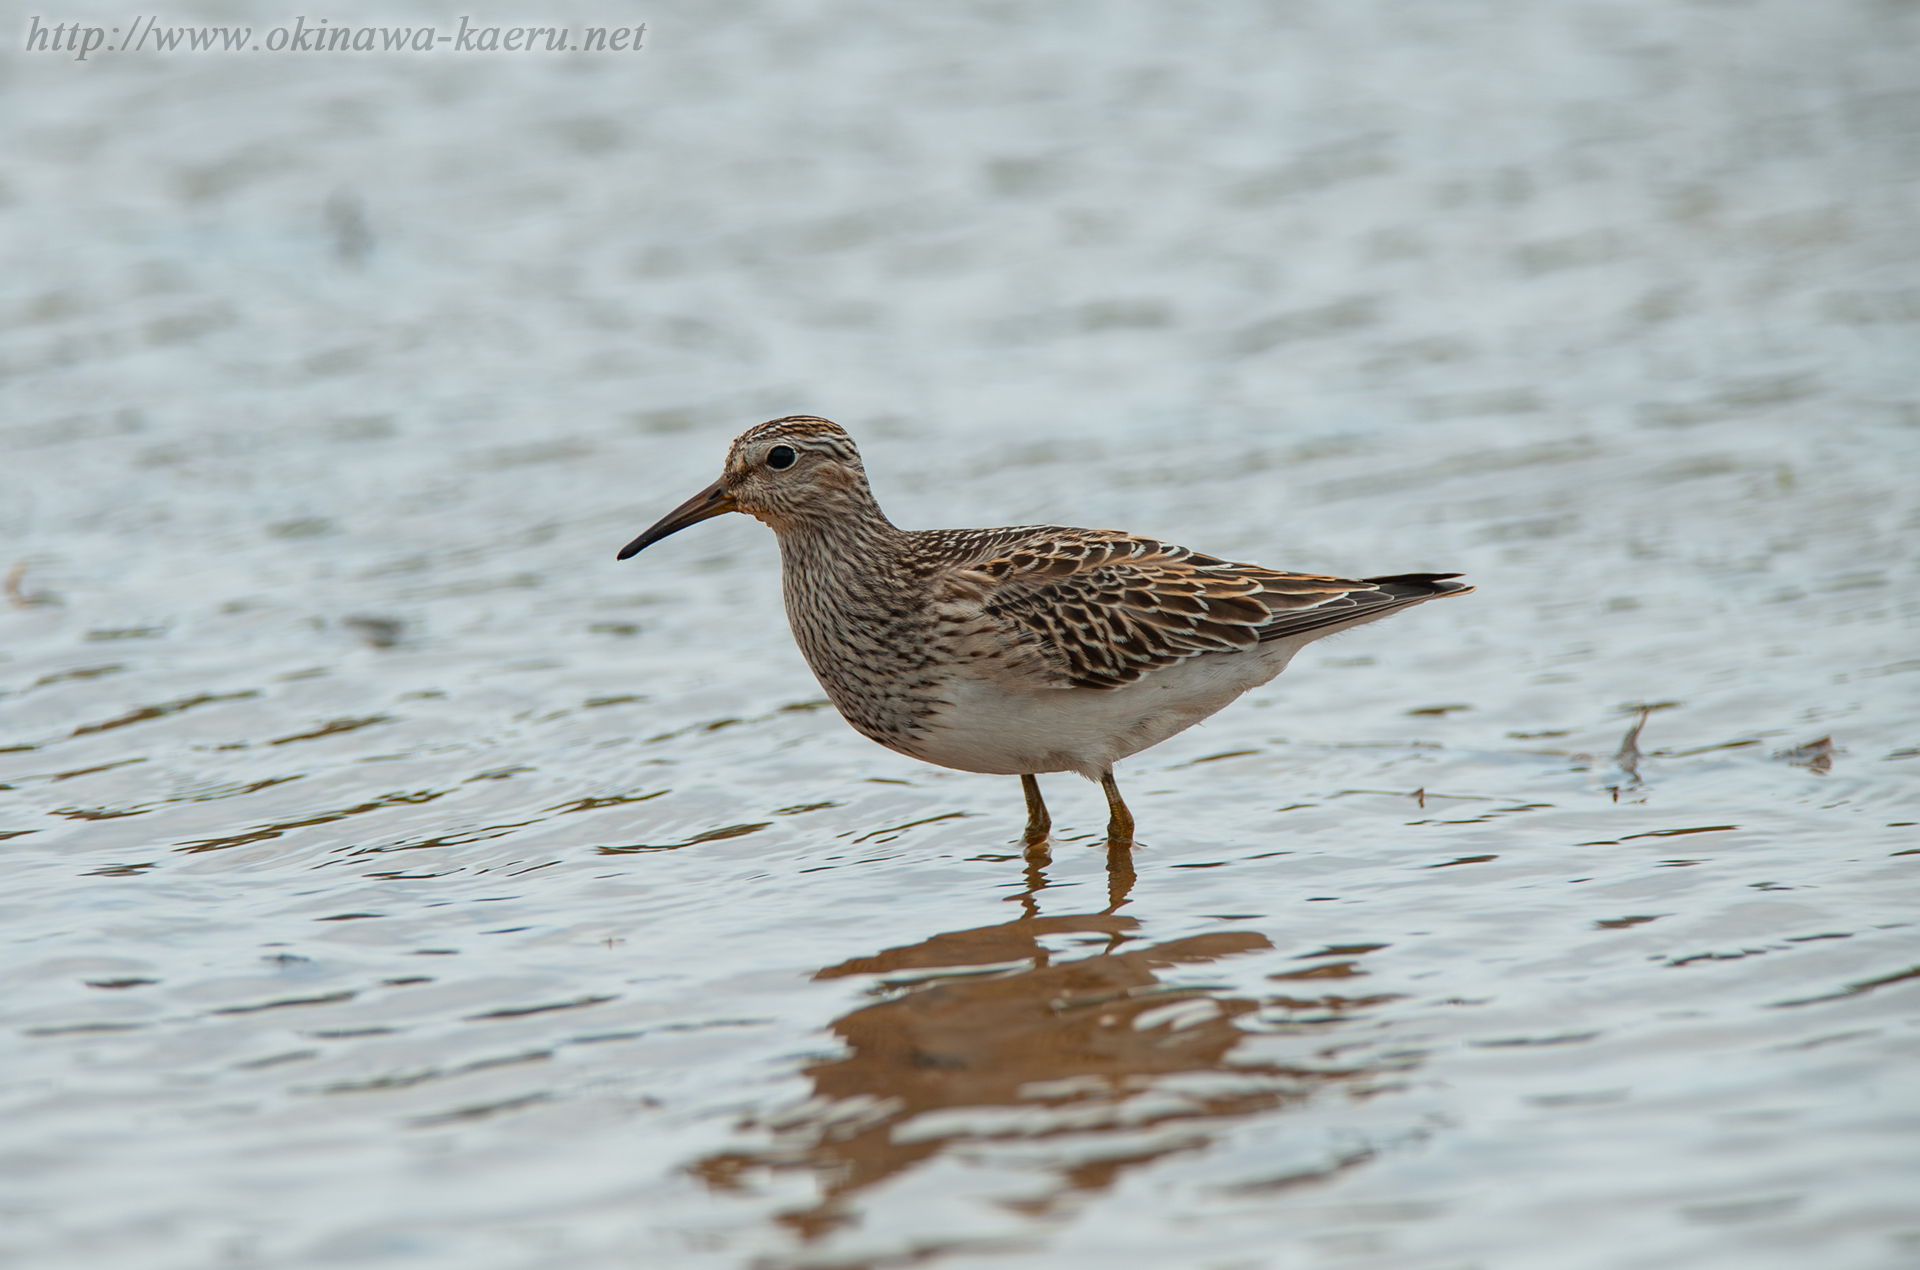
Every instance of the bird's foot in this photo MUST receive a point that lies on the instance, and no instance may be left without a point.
(1120, 820)
(1039, 823)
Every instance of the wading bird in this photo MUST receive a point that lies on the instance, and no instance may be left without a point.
(1016, 651)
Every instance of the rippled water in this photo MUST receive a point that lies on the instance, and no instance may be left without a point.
(393, 879)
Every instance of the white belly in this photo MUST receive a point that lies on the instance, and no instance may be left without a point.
(1086, 730)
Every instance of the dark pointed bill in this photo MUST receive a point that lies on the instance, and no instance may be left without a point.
(714, 500)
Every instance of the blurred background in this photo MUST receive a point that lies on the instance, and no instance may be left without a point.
(396, 880)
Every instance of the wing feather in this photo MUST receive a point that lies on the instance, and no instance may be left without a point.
(1104, 608)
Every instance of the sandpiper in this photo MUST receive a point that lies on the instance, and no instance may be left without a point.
(1034, 648)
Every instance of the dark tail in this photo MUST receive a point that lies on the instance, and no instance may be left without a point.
(1414, 585)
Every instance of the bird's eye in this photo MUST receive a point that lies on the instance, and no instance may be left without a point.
(781, 457)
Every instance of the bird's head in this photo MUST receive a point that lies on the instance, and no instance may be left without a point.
(784, 472)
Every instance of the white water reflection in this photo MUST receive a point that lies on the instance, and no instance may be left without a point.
(393, 879)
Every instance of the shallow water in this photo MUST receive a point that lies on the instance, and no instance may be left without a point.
(393, 879)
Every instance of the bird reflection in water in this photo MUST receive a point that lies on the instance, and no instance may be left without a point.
(987, 1039)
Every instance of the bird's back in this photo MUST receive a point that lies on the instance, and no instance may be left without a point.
(1105, 608)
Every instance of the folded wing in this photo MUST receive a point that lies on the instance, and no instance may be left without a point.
(1105, 608)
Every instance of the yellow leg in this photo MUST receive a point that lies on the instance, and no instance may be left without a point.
(1120, 820)
(1038, 822)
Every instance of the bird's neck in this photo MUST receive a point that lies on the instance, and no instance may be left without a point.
(852, 585)
(842, 542)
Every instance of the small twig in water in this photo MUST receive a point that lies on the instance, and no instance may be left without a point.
(18, 597)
